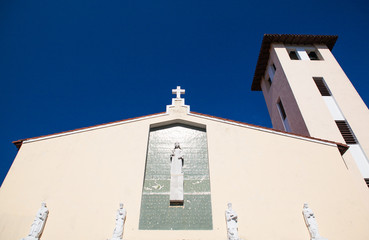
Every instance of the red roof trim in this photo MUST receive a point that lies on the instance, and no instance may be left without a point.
(341, 147)
(18, 143)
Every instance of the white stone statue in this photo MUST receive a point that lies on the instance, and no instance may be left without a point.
(176, 175)
(232, 223)
(311, 223)
(119, 223)
(177, 159)
(38, 223)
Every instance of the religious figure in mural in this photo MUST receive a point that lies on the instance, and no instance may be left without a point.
(232, 223)
(311, 223)
(38, 223)
(119, 223)
(177, 159)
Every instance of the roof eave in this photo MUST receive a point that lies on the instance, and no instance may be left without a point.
(342, 147)
(268, 39)
(18, 143)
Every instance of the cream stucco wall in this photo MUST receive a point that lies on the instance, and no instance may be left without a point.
(266, 175)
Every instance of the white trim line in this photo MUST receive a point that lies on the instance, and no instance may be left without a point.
(264, 130)
(93, 128)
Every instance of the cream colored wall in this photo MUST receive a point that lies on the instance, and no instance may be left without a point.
(272, 184)
(317, 117)
(267, 177)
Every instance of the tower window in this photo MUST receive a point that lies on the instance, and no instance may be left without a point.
(303, 53)
(322, 86)
(271, 72)
(293, 55)
(274, 68)
(282, 112)
(312, 55)
(270, 81)
(346, 132)
(269, 75)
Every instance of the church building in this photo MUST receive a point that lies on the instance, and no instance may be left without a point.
(181, 175)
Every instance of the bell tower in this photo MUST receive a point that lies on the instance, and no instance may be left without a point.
(307, 92)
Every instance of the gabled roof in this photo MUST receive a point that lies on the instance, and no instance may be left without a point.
(268, 39)
(341, 147)
(19, 142)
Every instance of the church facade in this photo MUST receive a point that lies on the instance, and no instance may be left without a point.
(176, 173)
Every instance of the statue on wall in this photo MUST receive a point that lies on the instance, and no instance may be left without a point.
(38, 223)
(232, 223)
(119, 223)
(177, 159)
(176, 176)
(311, 223)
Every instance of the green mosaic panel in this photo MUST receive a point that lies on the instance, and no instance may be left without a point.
(156, 186)
(155, 210)
(163, 186)
(194, 215)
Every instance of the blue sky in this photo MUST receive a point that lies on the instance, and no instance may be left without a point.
(71, 64)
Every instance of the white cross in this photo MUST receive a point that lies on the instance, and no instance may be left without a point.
(178, 91)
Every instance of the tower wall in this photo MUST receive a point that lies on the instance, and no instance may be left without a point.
(280, 90)
(307, 111)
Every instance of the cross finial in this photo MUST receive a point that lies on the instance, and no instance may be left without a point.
(178, 91)
(178, 103)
